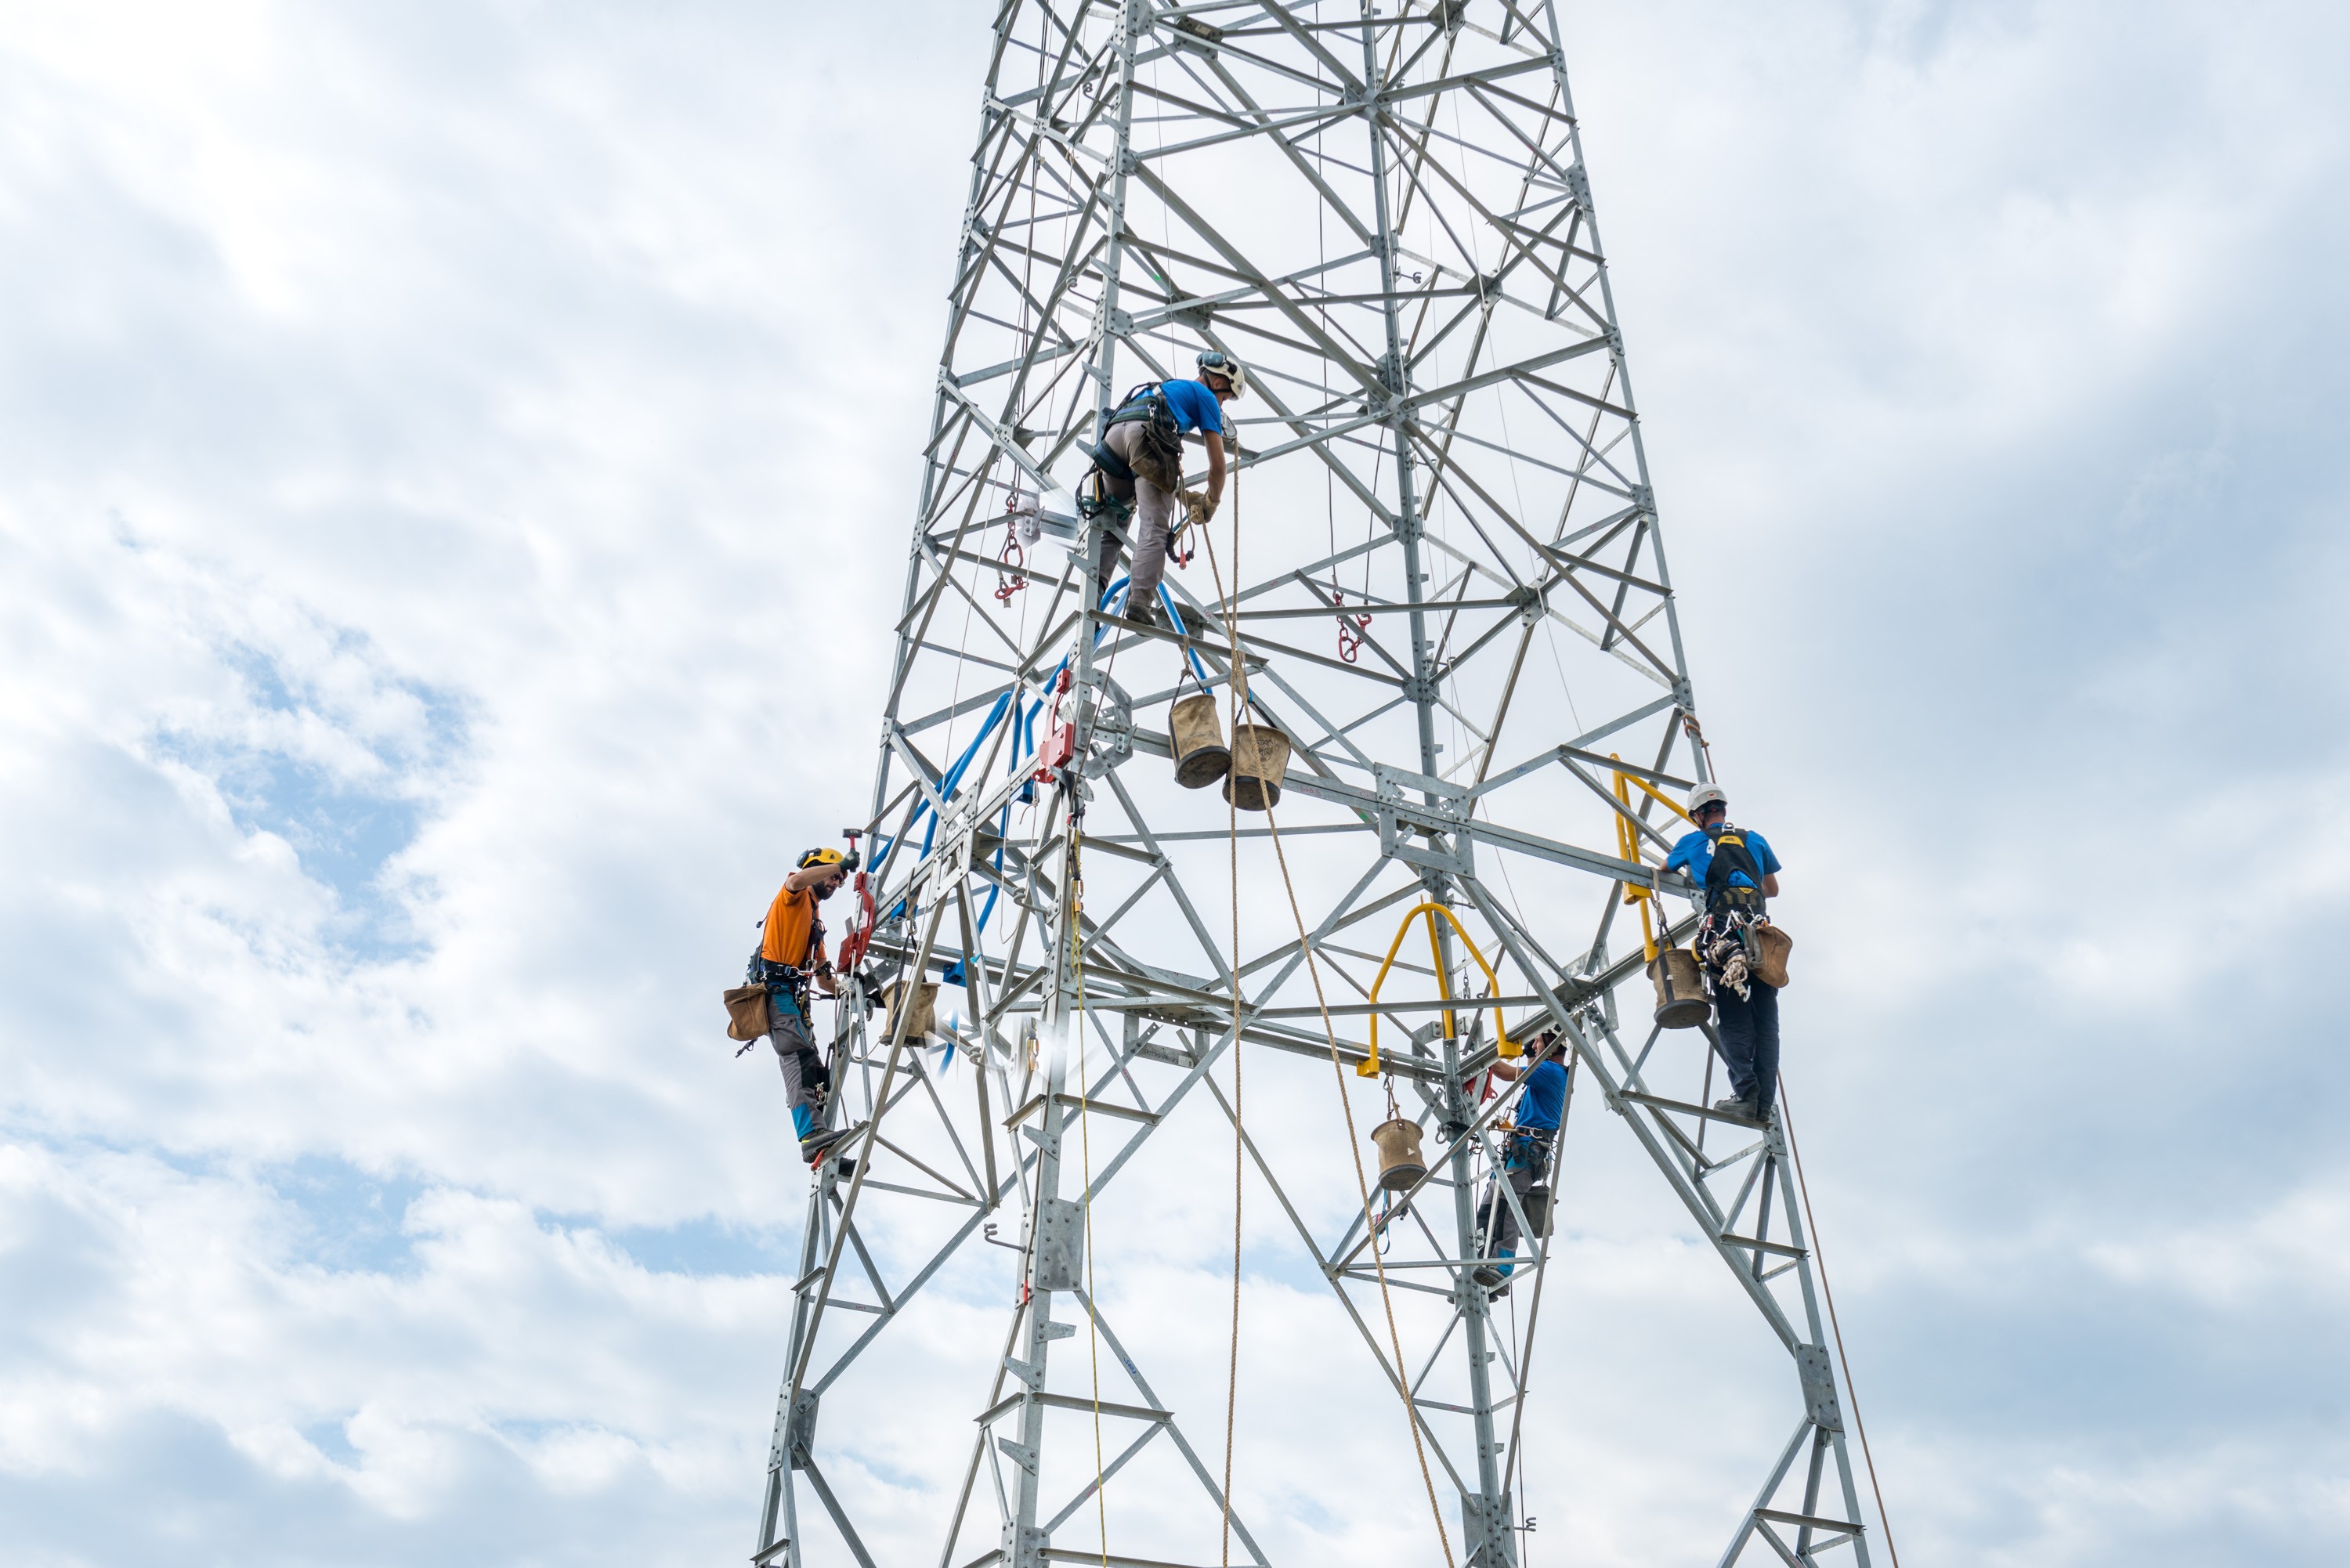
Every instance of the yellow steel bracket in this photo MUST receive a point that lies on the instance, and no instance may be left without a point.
(1628, 845)
(1508, 1047)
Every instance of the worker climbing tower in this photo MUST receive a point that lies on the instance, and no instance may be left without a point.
(1374, 798)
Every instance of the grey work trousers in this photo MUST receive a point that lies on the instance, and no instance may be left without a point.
(1500, 1221)
(802, 1069)
(1155, 513)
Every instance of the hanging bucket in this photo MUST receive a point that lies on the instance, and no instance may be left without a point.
(1681, 1001)
(926, 1014)
(1200, 758)
(1771, 964)
(1260, 761)
(1399, 1146)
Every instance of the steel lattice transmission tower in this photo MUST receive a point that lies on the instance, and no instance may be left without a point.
(1381, 206)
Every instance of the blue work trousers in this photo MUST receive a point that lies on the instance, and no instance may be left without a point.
(1750, 1041)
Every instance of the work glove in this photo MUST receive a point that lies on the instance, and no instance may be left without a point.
(1198, 507)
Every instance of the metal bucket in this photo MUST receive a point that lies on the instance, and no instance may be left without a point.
(926, 1014)
(1260, 761)
(1200, 758)
(1770, 963)
(1398, 1146)
(1681, 1001)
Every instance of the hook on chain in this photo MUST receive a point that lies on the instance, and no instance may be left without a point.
(1350, 627)
(1011, 572)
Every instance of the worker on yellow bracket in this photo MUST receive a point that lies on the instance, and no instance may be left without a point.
(790, 962)
(1141, 460)
(1526, 1148)
(1737, 871)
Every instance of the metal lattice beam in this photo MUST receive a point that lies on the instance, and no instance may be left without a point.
(1383, 209)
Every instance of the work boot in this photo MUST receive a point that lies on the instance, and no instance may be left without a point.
(1494, 1276)
(1743, 1109)
(816, 1144)
(1143, 613)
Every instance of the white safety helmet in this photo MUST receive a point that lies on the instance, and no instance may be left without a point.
(1218, 362)
(1706, 795)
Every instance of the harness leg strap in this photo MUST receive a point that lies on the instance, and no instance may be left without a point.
(1109, 463)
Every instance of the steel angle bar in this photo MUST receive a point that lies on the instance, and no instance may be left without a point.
(1150, 1431)
(1173, 1428)
(1693, 1196)
(1332, 1273)
(839, 1516)
(1500, 837)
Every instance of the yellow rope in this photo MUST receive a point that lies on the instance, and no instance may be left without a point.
(1337, 1069)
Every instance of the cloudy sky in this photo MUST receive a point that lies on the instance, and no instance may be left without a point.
(454, 470)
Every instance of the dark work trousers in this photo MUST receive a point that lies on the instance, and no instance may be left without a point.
(1498, 1223)
(1750, 1041)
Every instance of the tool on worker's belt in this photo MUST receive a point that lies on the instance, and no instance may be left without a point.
(1195, 515)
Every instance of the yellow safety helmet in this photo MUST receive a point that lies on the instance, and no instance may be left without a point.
(820, 858)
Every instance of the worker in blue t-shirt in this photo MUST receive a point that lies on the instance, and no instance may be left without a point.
(1140, 459)
(1525, 1158)
(1736, 871)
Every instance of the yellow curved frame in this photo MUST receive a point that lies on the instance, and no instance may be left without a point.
(1370, 1065)
(1628, 845)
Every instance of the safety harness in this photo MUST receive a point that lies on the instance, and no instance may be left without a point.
(792, 980)
(1162, 445)
(1725, 941)
(1732, 858)
(1146, 402)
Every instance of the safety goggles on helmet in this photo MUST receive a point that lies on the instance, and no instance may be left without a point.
(1705, 796)
(1216, 362)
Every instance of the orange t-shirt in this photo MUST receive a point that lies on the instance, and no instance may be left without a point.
(790, 919)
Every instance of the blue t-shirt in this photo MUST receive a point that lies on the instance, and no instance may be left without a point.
(1545, 1099)
(1695, 851)
(1195, 407)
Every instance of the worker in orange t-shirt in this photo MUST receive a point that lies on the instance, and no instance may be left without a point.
(790, 960)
